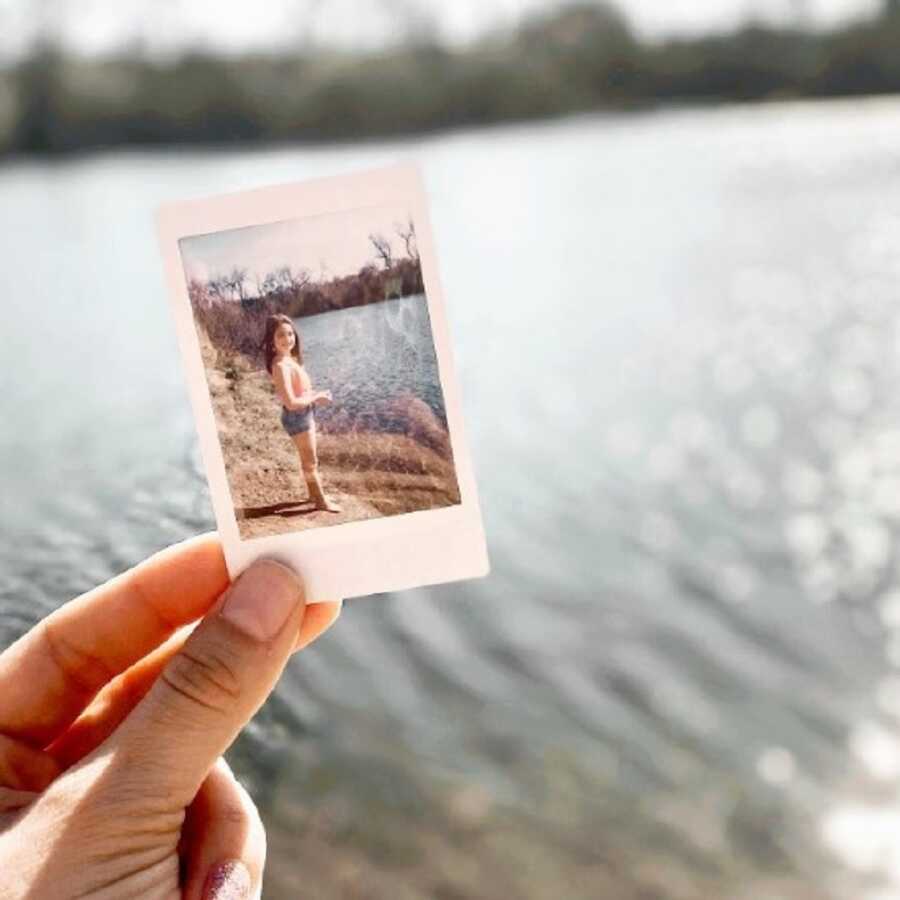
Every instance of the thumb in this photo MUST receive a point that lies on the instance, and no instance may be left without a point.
(213, 686)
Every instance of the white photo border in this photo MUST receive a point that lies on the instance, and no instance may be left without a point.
(370, 556)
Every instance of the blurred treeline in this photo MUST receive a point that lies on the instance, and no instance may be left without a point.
(582, 57)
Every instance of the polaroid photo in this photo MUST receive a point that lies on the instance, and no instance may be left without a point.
(317, 354)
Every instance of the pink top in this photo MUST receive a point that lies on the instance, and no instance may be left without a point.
(300, 380)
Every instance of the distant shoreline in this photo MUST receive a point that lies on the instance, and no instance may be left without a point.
(286, 144)
(581, 59)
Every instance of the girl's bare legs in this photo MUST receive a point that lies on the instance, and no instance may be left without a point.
(309, 462)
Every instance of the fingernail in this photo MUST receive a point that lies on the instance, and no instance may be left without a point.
(228, 881)
(261, 601)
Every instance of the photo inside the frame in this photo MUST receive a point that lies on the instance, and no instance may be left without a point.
(322, 371)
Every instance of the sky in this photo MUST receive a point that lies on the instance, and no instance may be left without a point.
(327, 245)
(165, 27)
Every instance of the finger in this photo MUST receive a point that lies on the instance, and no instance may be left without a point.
(317, 619)
(210, 689)
(22, 768)
(224, 847)
(115, 701)
(113, 704)
(58, 666)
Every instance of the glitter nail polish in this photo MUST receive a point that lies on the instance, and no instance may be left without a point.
(228, 881)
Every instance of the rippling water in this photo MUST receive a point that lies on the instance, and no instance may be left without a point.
(678, 339)
(368, 355)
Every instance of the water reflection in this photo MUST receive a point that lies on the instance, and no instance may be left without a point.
(679, 361)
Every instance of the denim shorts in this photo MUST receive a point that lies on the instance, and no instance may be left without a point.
(296, 421)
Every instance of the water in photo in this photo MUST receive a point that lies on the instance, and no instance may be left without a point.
(320, 361)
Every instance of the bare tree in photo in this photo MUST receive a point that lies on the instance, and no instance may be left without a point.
(407, 234)
(393, 271)
(271, 285)
(382, 249)
(237, 281)
(260, 285)
(294, 281)
(219, 287)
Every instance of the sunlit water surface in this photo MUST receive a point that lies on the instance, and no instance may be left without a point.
(677, 336)
(368, 356)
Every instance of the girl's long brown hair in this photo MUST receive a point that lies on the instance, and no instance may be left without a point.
(272, 324)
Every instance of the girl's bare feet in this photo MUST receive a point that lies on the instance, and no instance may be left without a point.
(317, 495)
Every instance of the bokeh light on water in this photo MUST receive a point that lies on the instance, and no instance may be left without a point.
(678, 338)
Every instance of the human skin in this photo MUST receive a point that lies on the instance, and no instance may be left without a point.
(283, 368)
(305, 442)
(113, 720)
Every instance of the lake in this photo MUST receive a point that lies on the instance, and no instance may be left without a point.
(368, 356)
(677, 335)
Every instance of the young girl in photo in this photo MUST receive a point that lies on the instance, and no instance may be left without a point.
(284, 361)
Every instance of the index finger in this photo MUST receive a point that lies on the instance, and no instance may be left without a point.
(51, 673)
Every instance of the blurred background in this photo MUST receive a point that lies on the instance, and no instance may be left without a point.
(668, 238)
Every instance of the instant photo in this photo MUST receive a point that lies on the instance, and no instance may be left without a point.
(316, 347)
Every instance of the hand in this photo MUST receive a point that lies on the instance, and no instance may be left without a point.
(323, 398)
(112, 726)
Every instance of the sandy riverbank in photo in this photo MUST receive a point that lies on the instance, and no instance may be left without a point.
(369, 473)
